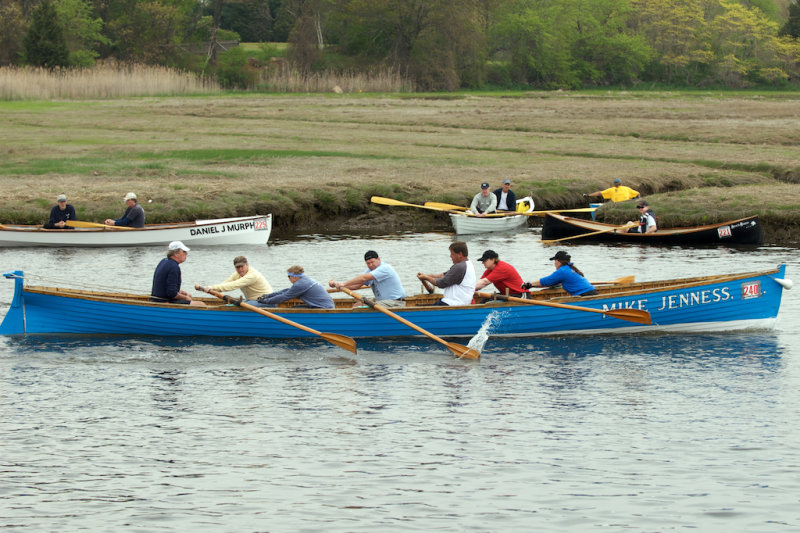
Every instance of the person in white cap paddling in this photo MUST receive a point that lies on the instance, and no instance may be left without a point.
(133, 216)
(167, 277)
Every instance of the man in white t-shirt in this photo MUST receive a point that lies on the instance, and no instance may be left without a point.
(458, 282)
(506, 199)
(381, 277)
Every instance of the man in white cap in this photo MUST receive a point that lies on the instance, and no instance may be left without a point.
(60, 213)
(133, 216)
(167, 277)
(483, 202)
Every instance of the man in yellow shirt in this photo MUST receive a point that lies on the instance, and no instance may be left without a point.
(617, 193)
(246, 278)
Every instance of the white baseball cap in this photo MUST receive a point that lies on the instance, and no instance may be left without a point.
(130, 196)
(177, 245)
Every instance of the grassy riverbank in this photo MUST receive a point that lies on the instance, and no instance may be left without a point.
(314, 160)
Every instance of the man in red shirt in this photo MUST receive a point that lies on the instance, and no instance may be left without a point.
(505, 277)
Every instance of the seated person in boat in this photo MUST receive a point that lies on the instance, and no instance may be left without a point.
(381, 277)
(506, 199)
(483, 202)
(566, 274)
(133, 216)
(458, 282)
(617, 193)
(167, 277)
(310, 291)
(60, 214)
(246, 278)
(647, 219)
(505, 277)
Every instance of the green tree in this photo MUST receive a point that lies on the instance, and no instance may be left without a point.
(792, 26)
(82, 31)
(150, 31)
(44, 44)
(251, 19)
(439, 43)
(12, 31)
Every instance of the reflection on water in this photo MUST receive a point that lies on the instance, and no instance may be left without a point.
(562, 433)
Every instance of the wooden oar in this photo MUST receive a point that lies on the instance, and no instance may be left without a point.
(631, 315)
(82, 224)
(458, 349)
(614, 228)
(358, 289)
(342, 341)
(451, 207)
(428, 287)
(624, 280)
(397, 203)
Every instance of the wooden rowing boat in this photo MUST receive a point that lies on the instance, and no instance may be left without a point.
(221, 231)
(711, 303)
(743, 231)
(467, 223)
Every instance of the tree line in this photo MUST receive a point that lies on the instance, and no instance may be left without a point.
(440, 44)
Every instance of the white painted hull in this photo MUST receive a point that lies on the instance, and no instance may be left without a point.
(468, 225)
(222, 231)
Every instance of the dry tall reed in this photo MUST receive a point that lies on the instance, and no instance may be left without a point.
(286, 79)
(102, 81)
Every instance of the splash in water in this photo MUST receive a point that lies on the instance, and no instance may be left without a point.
(479, 340)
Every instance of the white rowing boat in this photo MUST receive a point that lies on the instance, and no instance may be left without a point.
(220, 231)
(468, 223)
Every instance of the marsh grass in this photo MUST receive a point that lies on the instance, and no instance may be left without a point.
(102, 81)
(286, 79)
(315, 160)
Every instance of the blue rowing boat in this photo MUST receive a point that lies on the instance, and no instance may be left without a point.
(701, 304)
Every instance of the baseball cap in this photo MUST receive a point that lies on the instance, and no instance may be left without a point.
(239, 260)
(488, 254)
(61, 198)
(484, 185)
(177, 245)
(130, 196)
(562, 256)
(642, 203)
(617, 180)
(371, 254)
(506, 181)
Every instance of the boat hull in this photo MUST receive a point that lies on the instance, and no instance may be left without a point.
(223, 231)
(470, 225)
(742, 231)
(718, 303)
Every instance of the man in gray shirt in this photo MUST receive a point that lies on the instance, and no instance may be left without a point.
(484, 202)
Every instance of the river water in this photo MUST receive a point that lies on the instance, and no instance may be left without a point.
(641, 433)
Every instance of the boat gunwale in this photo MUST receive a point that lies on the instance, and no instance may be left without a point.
(556, 295)
(591, 225)
(32, 228)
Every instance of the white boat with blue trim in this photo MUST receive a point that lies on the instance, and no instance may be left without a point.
(220, 231)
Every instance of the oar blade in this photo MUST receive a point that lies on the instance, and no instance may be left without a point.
(631, 315)
(342, 341)
(463, 352)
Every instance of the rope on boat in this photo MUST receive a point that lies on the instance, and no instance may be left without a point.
(73, 284)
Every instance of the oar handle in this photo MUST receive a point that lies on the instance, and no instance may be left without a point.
(342, 341)
(459, 350)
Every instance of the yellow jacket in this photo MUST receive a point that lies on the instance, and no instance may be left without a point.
(619, 193)
(253, 284)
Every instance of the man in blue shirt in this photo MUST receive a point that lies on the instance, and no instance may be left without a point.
(133, 216)
(381, 277)
(167, 277)
(60, 214)
(310, 291)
